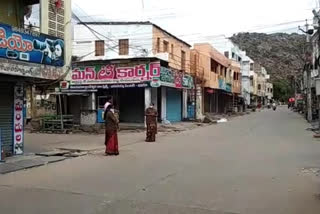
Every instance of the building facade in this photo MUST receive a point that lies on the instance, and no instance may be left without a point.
(29, 56)
(269, 91)
(246, 74)
(218, 80)
(135, 63)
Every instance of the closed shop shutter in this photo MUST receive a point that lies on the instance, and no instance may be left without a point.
(174, 105)
(131, 105)
(6, 116)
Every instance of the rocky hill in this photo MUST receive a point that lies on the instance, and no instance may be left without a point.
(281, 54)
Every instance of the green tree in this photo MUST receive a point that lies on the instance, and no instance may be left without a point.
(282, 90)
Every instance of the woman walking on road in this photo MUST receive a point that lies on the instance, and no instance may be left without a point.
(111, 136)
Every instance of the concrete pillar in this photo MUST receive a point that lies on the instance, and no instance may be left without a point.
(147, 101)
(68, 35)
(154, 96)
(93, 101)
(163, 103)
(185, 104)
(44, 16)
(147, 97)
(199, 102)
(217, 102)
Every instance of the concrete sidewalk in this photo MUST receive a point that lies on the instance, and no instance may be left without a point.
(39, 142)
(42, 149)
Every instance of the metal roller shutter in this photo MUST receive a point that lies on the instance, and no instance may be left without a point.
(174, 105)
(6, 116)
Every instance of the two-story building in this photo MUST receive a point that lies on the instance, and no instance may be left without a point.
(262, 78)
(246, 74)
(29, 56)
(135, 63)
(269, 91)
(217, 76)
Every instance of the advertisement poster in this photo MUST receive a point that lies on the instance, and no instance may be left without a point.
(18, 120)
(23, 45)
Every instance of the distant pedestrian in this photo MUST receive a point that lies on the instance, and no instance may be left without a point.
(111, 132)
(151, 121)
(108, 102)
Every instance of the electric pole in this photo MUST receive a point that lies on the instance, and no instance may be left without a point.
(308, 70)
(317, 53)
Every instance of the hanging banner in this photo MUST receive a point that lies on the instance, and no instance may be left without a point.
(222, 84)
(18, 137)
(29, 46)
(175, 79)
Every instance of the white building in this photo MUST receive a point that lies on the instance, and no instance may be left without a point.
(247, 73)
(135, 63)
(269, 91)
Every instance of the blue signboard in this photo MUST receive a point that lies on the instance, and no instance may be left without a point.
(28, 46)
(228, 87)
(222, 84)
(0, 147)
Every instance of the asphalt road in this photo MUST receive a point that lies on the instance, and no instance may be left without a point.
(261, 163)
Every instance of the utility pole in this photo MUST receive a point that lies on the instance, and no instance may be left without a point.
(317, 50)
(308, 70)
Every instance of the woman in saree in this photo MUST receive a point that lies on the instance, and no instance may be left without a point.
(111, 136)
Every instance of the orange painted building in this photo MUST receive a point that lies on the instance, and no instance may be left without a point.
(217, 77)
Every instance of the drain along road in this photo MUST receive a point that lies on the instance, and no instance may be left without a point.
(262, 163)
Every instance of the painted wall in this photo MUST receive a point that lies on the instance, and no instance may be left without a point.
(245, 90)
(140, 41)
(236, 84)
(205, 52)
(174, 57)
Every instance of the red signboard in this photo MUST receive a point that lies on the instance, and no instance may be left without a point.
(114, 74)
(210, 91)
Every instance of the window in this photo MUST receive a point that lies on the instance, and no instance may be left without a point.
(259, 87)
(225, 72)
(31, 15)
(183, 60)
(172, 51)
(251, 66)
(165, 46)
(124, 47)
(233, 55)
(99, 48)
(158, 45)
(226, 53)
(251, 81)
(235, 76)
(213, 66)
(271, 90)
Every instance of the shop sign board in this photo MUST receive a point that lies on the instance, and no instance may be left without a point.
(228, 87)
(18, 137)
(106, 86)
(17, 68)
(28, 46)
(113, 74)
(222, 84)
(175, 79)
(187, 81)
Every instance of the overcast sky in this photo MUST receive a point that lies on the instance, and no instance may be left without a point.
(203, 18)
